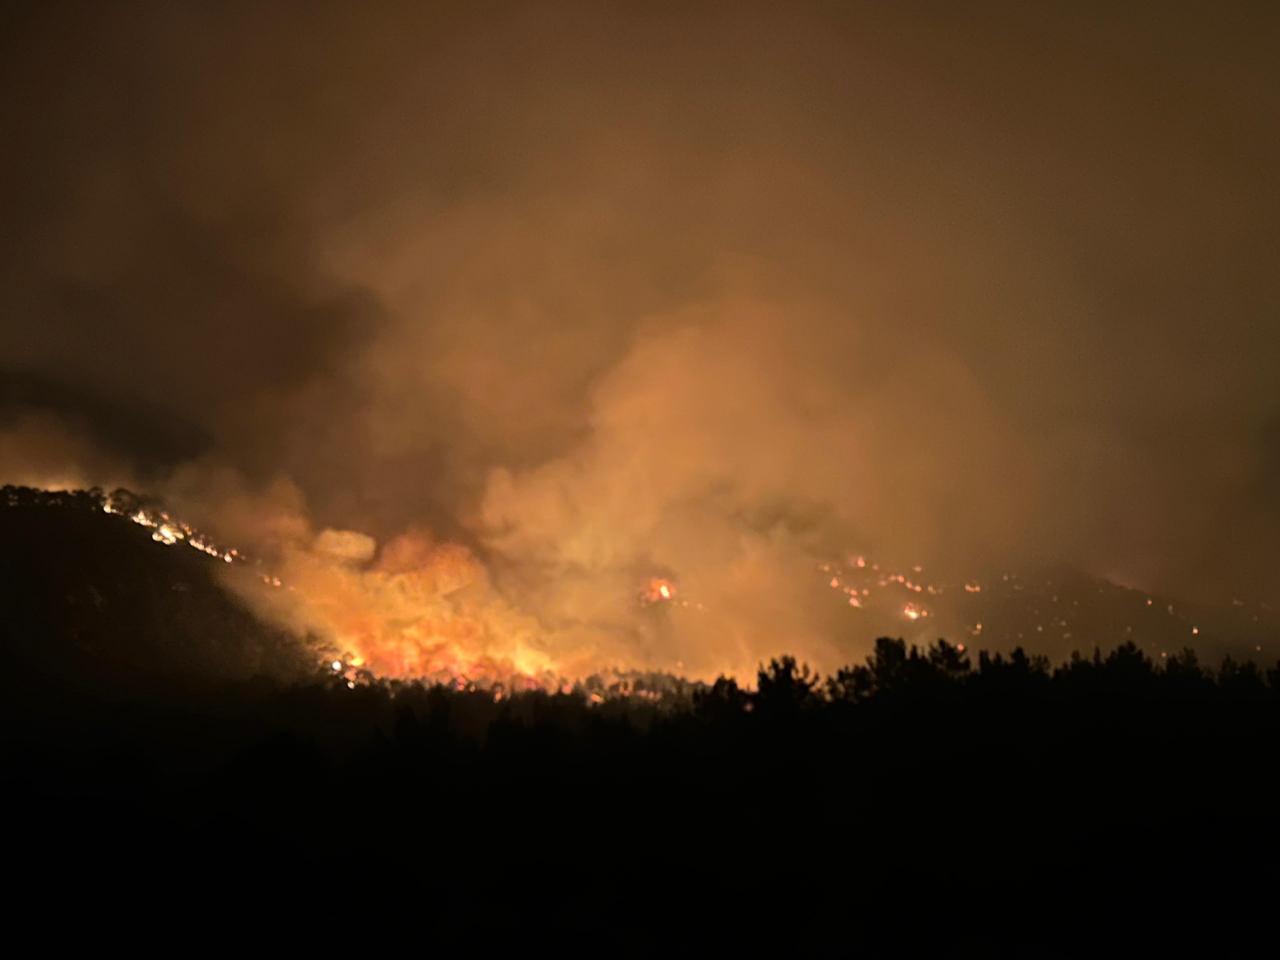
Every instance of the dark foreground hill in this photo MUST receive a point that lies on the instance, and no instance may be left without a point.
(88, 598)
(925, 801)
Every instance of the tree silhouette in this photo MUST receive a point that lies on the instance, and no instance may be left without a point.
(784, 689)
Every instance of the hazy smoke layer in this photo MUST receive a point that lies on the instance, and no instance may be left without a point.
(598, 293)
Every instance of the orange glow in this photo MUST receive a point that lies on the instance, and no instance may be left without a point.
(423, 610)
(658, 591)
(914, 612)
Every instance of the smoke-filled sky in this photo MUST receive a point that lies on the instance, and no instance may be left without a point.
(606, 291)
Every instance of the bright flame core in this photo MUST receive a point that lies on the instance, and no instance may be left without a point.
(658, 590)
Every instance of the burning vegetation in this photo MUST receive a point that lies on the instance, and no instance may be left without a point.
(415, 608)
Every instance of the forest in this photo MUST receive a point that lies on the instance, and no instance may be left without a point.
(922, 794)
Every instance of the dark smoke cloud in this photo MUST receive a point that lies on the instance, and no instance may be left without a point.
(605, 289)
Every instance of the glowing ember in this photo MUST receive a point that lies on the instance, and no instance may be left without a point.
(659, 590)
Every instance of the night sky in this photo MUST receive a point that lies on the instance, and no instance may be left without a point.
(564, 297)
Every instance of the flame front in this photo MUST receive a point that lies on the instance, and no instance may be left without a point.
(422, 609)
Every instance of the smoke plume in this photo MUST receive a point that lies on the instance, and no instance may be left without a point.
(471, 320)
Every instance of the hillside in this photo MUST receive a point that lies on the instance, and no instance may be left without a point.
(89, 598)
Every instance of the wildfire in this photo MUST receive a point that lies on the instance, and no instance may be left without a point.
(415, 608)
(410, 615)
(658, 590)
(164, 528)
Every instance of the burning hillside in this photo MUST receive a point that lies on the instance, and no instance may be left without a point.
(417, 608)
(1052, 609)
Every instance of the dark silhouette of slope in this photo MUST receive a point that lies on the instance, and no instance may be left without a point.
(88, 598)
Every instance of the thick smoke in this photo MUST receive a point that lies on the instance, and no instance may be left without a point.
(559, 298)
